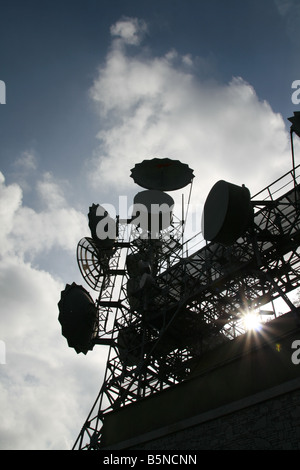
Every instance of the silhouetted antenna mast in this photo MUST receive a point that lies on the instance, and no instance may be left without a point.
(160, 311)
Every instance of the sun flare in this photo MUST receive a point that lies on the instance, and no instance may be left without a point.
(251, 321)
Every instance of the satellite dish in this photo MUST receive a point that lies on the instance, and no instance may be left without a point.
(227, 213)
(152, 210)
(163, 174)
(103, 227)
(93, 263)
(77, 316)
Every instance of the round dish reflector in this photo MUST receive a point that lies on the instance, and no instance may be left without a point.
(227, 213)
(163, 174)
(152, 210)
(77, 316)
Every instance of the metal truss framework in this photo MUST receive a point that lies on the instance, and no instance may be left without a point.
(159, 318)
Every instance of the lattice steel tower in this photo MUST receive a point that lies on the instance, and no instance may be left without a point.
(161, 304)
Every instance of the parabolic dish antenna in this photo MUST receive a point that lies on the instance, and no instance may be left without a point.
(99, 218)
(162, 174)
(154, 208)
(93, 263)
(227, 213)
(77, 316)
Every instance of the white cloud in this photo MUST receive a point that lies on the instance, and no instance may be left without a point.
(129, 30)
(51, 192)
(159, 107)
(27, 232)
(10, 202)
(46, 389)
(148, 107)
(24, 169)
(27, 161)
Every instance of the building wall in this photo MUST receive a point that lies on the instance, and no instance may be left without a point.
(273, 424)
(243, 395)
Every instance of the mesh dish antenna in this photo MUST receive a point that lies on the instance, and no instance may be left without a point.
(162, 174)
(227, 213)
(93, 263)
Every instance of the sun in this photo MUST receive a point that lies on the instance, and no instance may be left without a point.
(251, 321)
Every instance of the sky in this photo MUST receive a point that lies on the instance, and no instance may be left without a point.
(91, 88)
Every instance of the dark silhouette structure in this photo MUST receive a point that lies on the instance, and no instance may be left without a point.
(167, 310)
